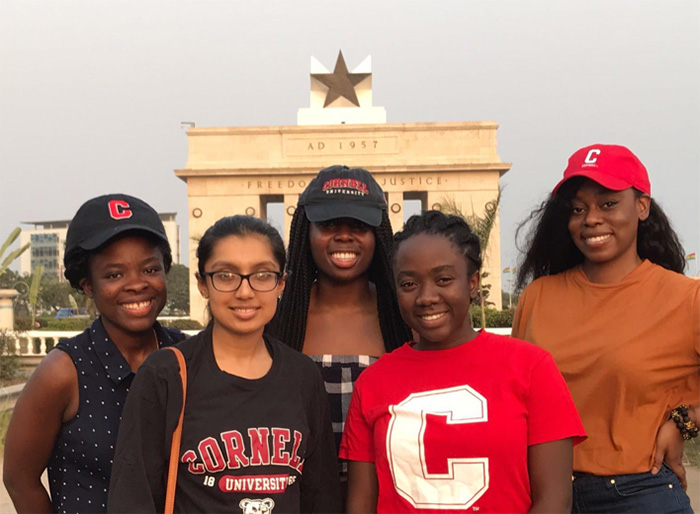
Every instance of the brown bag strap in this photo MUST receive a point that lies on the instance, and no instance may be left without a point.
(177, 436)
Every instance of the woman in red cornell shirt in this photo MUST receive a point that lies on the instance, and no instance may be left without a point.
(459, 419)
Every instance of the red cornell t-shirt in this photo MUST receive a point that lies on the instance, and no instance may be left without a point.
(448, 430)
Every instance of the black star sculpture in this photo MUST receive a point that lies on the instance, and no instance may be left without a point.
(340, 82)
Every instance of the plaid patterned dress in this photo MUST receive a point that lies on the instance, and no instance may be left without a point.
(339, 375)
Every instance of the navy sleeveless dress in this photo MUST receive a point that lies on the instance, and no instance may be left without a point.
(80, 465)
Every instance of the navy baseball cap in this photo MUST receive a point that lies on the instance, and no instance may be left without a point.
(342, 192)
(102, 218)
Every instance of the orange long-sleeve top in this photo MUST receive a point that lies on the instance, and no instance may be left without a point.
(629, 351)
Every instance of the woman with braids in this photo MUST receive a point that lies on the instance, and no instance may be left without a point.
(611, 304)
(459, 420)
(67, 417)
(339, 306)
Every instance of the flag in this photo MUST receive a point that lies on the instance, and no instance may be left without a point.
(506, 270)
(690, 257)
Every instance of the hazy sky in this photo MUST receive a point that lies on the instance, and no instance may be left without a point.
(92, 92)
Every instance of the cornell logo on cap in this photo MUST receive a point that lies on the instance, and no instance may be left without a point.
(591, 157)
(345, 185)
(119, 209)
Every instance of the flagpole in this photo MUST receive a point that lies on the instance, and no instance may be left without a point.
(510, 297)
(510, 293)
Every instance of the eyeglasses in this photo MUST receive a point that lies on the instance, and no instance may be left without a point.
(228, 281)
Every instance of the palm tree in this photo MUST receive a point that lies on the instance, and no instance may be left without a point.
(12, 255)
(482, 226)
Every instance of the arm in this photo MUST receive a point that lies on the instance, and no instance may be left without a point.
(139, 472)
(320, 481)
(553, 428)
(357, 447)
(670, 445)
(549, 466)
(669, 442)
(363, 488)
(519, 323)
(48, 400)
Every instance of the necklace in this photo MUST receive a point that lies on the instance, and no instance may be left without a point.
(155, 337)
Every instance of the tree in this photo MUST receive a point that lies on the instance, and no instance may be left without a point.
(482, 226)
(9, 278)
(12, 255)
(34, 290)
(178, 282)
(54, 294)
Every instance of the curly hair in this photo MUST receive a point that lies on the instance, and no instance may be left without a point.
(452, 227)
(76, 263)
(289, 324)
(550, 250)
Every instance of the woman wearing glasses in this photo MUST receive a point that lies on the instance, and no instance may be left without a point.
(256, 433)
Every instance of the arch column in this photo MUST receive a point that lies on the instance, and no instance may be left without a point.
(395, 203)
(290, 205)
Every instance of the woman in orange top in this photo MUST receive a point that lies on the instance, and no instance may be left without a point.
(611, 304)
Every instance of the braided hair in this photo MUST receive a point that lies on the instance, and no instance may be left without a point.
(550, 250)
(289, 324)
(454, 228)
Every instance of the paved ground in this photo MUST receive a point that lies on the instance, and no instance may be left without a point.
(693, 491)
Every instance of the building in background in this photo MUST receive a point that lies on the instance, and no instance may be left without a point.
(48, 241)
(262, 170)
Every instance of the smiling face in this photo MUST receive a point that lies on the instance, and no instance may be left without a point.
(244, 311)
(435, 289)
(342, 248)
(603, 225)
(126, 280)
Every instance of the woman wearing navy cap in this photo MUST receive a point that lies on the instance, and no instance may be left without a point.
(340, 306)
(610, 302)
(67, 416)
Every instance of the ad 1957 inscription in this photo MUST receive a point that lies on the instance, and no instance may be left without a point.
(307, 146)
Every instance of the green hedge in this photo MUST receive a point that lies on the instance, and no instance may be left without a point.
(80, 324)
(9, 362)
(72, 324)
(494, 318)
(23, 324)
(182, 324)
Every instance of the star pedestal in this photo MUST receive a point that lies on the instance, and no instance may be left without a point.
(341, 97)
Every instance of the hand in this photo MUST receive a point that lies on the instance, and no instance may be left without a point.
(669, 449)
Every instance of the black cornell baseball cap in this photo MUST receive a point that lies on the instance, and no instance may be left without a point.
(342, 192)
(102, 218)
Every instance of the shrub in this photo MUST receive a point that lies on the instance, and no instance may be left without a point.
(9, 362)
(43, 321)
(23, 324)
(4, 422)
(68, 324)
(692, 452)
(494, 318)
(182, 324)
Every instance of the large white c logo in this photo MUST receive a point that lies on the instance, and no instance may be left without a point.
(466, 479)
(592, 156)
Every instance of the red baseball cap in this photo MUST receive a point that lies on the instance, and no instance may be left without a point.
(612, 166)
